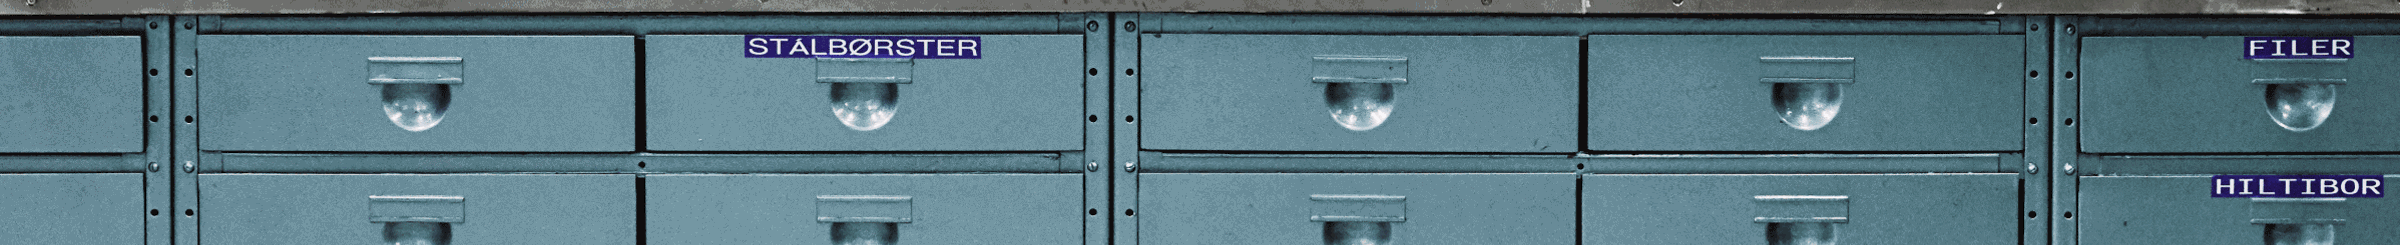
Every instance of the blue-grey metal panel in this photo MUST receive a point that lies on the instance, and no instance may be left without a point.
(335, 208)
(72, 208)
(72, 163)
(1799, 163)
(2178, 210)
(71, 94)
(945, 208)
(1024, 94)
(1278, 208)
(519, 94)
(862, 163)
(1903, 93)
(1263, 92)
(1724, 209)
(1156, 162)
(1324, 24)
(2197, 94)
(416, 163)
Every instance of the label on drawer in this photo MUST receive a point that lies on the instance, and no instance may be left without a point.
(2303, 186)
(2297, 48)
(912, 47)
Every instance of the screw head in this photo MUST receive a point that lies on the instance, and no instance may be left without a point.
(2067, 169)
(2030, 168)
(1091, 26)
(187, 166)
(153, 166)
(1091, 166)
(1129, 27)
(1129, 166)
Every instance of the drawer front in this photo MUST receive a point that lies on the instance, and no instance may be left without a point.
(1357, 208)
(2178, 210)
(1024, 94)
(363, 209)
(416, 93)
(1358, 93)
(1739, 209)
(1807, 93)
(71, 94)
(806, 209)
(2198, 94)
(72, 208)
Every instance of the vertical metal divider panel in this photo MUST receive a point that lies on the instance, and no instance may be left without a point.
(2063, 104)
(2033, 194)
(186, 143)
(1096, 144)
(158, 186)
(1124, 148)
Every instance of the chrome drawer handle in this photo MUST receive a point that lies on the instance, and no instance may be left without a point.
(1358, 89)
(416, 219)
(865, 219)
(866, 92)
(416, 90)
(1802, 219)
(2300, 104)
(1807, 89)
(1358, 219)
(2299, 220)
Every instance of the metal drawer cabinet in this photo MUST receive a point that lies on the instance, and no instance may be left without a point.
(2172, 94)
(72, 208)
(1022, 93)
(1358, 93)
(1801, 209)
(1806, 93)
(416, 93)
(865, 208)
(416, 208)
(1356, 209)
(71, 94)
(2179, 210)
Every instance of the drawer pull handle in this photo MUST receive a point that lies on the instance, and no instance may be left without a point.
(2300, 104)
(1358, 89)
(416, 219)
(416, 90)
(1358, 219)
(1802, 219)
(866, 92)
(1807, 89)
(2299, 220)
(865, 219)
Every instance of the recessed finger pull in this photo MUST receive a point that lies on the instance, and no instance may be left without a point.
(2299, 221)
(1802, 219)
(416, 219)
(865, 219)
(1358, 219)
(866, 92)
(1359, 89)
(1807, 89)
(416, 90)
(2300, 104)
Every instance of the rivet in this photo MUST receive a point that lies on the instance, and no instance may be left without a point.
(187, 166)
(153, 166)
(1129, 166)
(2030, 168)
(1093, 166)
(2067, 169)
